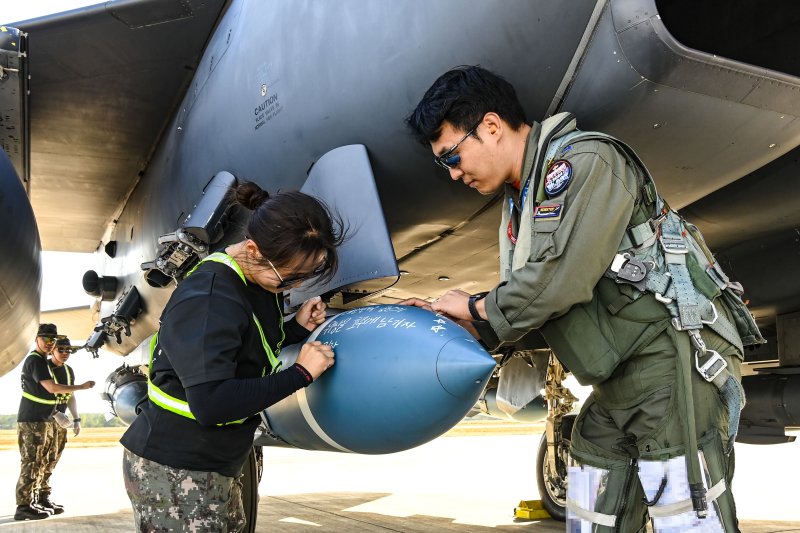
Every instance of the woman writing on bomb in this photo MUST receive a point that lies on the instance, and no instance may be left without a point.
(214, 364)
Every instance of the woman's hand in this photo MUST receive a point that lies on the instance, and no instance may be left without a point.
(311, 313)
(315, 357)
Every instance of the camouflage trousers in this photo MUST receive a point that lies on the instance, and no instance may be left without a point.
(53, 455)
(167, 499)
(35, 440)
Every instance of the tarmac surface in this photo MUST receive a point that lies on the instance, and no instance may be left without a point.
(459, 484)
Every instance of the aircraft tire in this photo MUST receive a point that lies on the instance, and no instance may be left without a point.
(250, 478)
(553, 489)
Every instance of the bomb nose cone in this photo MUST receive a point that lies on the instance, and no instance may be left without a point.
(463, 367)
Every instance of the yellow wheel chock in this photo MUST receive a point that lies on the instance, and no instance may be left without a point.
(531, 510)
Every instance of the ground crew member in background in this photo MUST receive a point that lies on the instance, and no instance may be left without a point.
(214, 364)
(35, 424)
(623, 290)
(62, 374)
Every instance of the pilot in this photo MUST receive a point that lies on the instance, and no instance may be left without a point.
(624, 291)
(41, 390)
(213, 363)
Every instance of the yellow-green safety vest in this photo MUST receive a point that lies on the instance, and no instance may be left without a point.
(59, 397)
(181, 407)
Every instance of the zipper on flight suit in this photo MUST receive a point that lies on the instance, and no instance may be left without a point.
(625, 489)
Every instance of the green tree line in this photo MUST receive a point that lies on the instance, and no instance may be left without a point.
(88, 420)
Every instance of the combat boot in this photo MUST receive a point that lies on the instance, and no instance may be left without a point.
(27, 512)
(43, 502)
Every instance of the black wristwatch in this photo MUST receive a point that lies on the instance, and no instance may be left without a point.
(471, 305)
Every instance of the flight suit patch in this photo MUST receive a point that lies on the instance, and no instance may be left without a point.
(559, 174)
(548, 212)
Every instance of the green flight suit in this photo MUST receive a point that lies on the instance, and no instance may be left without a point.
(553, 280)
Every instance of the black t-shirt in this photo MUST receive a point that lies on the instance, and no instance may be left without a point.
(65, 376)
(208, 334)
(34, 370)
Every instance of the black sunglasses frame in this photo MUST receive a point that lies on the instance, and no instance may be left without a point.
(287, 282)
(449, 160)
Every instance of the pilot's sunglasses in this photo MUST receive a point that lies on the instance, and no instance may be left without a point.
(64, 350)
(450, 160)
(47, 340)
(287, 282)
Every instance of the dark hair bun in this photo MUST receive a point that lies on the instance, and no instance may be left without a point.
(250, 195)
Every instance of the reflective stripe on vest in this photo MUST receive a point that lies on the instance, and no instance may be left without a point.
(36, 399)
(62, 398)
(181, 407)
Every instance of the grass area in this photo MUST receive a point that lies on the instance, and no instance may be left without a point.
(98, 437)
(89, 438)
(479, 428)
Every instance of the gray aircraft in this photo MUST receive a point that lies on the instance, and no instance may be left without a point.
(124, 120)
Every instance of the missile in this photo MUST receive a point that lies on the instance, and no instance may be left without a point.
(402, 377)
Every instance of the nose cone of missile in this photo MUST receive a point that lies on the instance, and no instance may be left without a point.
(403, 376)
(463, 367)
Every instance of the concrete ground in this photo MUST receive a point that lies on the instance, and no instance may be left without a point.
(460, 484)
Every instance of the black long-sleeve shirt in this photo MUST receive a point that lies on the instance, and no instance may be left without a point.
(210, 354)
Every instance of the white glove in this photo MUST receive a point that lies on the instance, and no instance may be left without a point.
(76, 427)
(61, 419)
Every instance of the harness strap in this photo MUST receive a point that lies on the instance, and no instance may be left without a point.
(675, 248)
(684, 506)
(601, 519)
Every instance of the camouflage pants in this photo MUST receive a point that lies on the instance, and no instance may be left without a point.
(53, 455)
(35, 440)
(166, 499)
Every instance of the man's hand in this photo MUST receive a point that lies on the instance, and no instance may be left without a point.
(453, 304)
(76, 427)
(87, 385)
(416, 302)
(312, 313)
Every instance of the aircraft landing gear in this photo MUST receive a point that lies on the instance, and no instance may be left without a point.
(553, 483)
(553, 457)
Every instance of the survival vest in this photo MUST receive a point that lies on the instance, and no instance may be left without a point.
(181, 407)
(660, 253)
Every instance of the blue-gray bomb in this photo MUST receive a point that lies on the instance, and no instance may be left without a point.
(403, 376)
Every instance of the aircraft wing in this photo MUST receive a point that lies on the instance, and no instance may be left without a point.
(104, 81)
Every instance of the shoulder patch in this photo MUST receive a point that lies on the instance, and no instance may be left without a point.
(558, 177)
(548, 212)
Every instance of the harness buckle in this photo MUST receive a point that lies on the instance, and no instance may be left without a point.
(713, 367)
(673, 244)
(716, 315)
(618, 262)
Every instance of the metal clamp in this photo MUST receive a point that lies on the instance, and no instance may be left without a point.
(662, 299)
(697, 340)
(711, 368)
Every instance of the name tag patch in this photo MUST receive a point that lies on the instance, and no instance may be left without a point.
(548, 212)
(559, 174)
